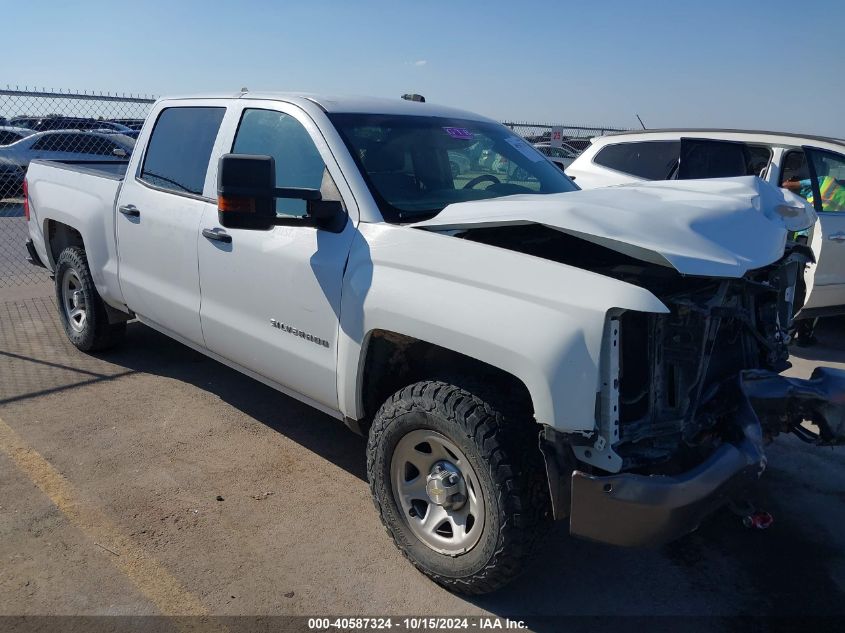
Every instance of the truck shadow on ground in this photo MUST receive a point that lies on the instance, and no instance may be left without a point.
(721, 570)
(148, 351)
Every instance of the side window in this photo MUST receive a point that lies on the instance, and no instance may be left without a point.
(794, 167)
(7, 137)
(85, 144)
(795, 175)
(828, 170)
(298, 162)
(759, 157)
(101, 146)
(180, 148)
(71, 143)
(652, 160)
(712, 158)
(49, 143)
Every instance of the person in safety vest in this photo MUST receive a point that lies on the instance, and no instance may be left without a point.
(831, 190)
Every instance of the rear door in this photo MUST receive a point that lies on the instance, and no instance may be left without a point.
(160, 207)
(819, 176)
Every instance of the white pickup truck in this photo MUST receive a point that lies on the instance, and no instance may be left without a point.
(517, 350)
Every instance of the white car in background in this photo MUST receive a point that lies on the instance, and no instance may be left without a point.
(811, 166)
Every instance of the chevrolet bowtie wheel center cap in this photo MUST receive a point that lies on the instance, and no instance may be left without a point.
(445, 486)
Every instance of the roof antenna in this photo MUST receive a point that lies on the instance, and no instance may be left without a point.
(641, 121)
(414, 97)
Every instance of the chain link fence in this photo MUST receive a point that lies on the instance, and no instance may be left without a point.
(58, 125)
(66, 125)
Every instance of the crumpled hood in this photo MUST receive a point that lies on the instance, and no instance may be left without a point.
(722, 227)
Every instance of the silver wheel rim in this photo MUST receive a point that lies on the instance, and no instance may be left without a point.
(73, 301)
(438, 492)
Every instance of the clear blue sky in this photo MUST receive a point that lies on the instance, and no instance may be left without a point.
(741, 63)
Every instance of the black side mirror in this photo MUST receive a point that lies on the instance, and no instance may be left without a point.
(245, 187)
(247, 192)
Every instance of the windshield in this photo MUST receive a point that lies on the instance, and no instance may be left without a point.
(417, 165)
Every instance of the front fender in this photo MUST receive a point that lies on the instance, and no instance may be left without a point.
(538, 320)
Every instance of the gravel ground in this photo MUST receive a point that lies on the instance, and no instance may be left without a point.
(146, 440)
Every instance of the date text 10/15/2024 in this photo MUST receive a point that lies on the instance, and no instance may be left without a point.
(415, 623)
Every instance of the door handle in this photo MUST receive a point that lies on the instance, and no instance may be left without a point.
(217, 235)
(130, 210)
(837, 237)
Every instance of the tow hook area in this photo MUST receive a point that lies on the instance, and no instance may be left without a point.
(782, 404)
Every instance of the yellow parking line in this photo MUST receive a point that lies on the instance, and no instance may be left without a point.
(144, 571)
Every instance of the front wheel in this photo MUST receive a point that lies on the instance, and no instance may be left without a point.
(81, 310)
(460, 488)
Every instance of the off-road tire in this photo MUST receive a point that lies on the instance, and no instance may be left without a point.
(504, 454)
(97, 334)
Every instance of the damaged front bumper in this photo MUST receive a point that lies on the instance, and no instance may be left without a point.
(782, 404)
(646, 510)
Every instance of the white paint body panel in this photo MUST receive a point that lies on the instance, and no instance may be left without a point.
(538, 320)
(85, 202)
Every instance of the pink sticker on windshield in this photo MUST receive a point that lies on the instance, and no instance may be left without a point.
(459, 132)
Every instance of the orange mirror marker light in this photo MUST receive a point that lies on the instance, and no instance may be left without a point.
(239, 204)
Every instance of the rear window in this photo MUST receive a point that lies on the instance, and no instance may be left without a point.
(180, 148)
(652, 160)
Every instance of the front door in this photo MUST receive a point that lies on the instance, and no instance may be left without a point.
(159, 219)
(819, 176)
(271, 299)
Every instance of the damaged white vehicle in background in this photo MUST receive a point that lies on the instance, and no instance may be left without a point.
(516, 350)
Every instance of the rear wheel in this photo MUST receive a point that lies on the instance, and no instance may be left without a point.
(81, 310)
(461, 489)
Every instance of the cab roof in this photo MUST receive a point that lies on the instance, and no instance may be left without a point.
(348, 104)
